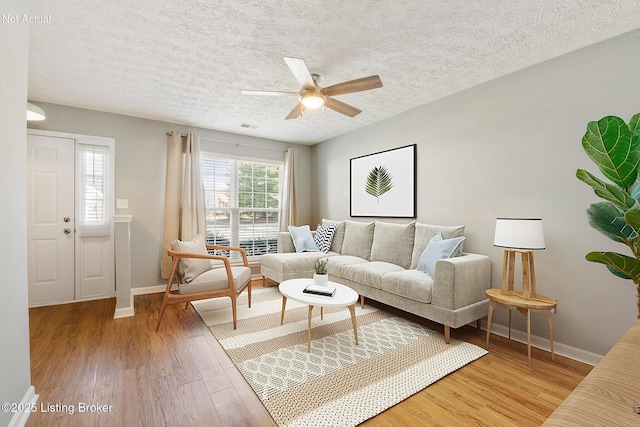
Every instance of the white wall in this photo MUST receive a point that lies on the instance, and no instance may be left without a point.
(510, 148)
(15, 378)
(140, 171)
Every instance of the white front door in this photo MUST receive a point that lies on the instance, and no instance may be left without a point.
(50, 219)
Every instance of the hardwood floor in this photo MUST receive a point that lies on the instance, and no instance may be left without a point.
(180, 376)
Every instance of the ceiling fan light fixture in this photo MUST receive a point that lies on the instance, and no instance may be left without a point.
(312, 100)
(34, 113)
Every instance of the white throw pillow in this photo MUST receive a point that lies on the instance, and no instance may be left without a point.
(302, 239)
(190, 268)
(438, 248)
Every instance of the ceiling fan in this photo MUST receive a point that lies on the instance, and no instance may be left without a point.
(313, 96)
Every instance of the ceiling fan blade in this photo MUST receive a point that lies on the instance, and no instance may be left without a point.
(296, 112)
(299, 69)
(357, 85)
(341, 107)
(267, 92)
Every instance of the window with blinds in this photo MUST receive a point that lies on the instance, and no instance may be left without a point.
(94, 192)
(243, 201)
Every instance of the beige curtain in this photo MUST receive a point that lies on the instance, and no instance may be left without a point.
(289, 191)
(184, 208)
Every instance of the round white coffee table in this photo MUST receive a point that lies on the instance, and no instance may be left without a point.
(343, 297)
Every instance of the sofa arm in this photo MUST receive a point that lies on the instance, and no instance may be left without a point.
(461, 281)
(285, 243)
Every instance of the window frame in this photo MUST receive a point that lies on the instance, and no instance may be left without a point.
(234, 209)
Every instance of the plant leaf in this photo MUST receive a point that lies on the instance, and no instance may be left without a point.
(625, 265)
(610, 221)
(634, 124)
(379, 181)
(608, 192)
(613, 146)
(633, 219)
(617, 273)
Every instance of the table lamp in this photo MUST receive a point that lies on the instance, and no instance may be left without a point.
(523, 236)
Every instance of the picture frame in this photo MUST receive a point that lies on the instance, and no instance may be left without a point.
(383, 184)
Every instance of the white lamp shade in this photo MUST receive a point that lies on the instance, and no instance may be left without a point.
(519, 233)
(34, 112)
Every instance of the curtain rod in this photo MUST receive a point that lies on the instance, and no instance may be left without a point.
(237, 144)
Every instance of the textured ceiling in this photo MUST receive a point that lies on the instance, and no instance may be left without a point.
(187, 61)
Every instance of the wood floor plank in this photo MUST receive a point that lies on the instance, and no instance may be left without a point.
(211, 372)
(181, 376)
(231, 408)
(199, 407)
(249, 399)
(167, 400)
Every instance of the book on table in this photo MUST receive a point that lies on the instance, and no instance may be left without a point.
(323, 290)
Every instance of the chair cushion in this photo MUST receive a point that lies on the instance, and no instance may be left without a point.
(393, 243)
(216, 280)
(190, 268)
(302, 239)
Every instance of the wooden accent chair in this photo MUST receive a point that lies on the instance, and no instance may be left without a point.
(197, 278)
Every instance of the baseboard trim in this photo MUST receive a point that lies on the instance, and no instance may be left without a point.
(148, 290)
(125, 311)
(19, 419)
(543, 343)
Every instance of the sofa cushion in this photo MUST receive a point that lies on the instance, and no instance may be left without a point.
(369, 273)
(190, 268)
(336, 263)
(438, 248)
(324, 237)
(302, 239)
(358, 237)
(291, 261)
(338, 236)
(412, 284)
(393, 243)
(425, 232)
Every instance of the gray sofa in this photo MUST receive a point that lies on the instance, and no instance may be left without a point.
(378, 260)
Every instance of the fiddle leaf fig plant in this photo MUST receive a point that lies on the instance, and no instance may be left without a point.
(614, 146)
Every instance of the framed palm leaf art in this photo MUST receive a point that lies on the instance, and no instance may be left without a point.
(384, 184)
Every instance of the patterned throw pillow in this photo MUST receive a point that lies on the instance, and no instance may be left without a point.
(324, 237)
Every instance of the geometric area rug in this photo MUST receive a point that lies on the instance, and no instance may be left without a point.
(337, 383)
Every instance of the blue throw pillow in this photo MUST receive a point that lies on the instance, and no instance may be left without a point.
(438, 248)
(302, 239)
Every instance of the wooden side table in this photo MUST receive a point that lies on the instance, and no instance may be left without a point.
(515, 299)
(525, 301)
